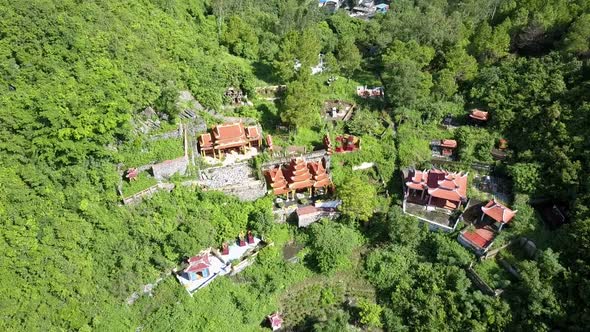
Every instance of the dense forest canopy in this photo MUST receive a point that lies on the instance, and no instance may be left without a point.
(75, 74)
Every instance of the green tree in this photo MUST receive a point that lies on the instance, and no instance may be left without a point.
(526, 177)
(301, 106)
(337, 321)
(491, 43)
(261, 222)
(390, 266)
(412, 150)
(405, 230)
(537, 300)
(406, 83)
(240, 38)
(445, 84)
(370, 313)
(461, 64)
(403, 64)
(331, 245)
(301, 49)
(348, 56)
(359, 198)
(577, 38)
(286, 57)
(365, 122)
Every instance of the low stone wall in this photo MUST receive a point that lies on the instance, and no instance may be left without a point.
(480, 283)
(136, 198)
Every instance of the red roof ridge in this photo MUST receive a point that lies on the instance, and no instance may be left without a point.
(448, 143)
(440, 183)
(478, 114)
(498, 211)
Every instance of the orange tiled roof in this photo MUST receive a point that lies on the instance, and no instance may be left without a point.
(229, 135)
(228, 130)
(253, 133)
(298, 175)
(205, 141)
(481, 237)
(198, 263)
(309, 209)
(448, 143)
(479, 115)
(276, 179)
(453, 187)
(440, 184)
(498, 212)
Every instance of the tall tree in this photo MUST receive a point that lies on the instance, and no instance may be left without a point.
(578, 36)
(240, 38)
(301, 105)
(348, 56)
(359, 198)
(407, 83)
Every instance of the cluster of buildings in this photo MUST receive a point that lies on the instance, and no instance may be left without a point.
(360, 8)
(493, 218)
(369, 8)
(439, 198)
(293, 180)
(200, 270)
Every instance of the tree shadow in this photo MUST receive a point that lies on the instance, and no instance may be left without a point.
(264, 72)
(269, 119)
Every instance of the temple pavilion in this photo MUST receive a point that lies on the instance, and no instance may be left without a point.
(229, 137)
(493, 219)
(447, 147)
(437, 188)
(298, 176)
(478, 116)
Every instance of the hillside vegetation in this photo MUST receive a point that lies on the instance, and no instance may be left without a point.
(74, 74)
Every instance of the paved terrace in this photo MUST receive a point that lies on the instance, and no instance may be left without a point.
(236, 179)
(434, 216)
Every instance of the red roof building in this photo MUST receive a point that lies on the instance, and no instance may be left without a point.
(447, 146)
(479, 239)
(497, 212)
(198, 267)
(479, 115)
(483, 236)
(277, 181)
(348, 143)
(345, 143)
(229, 136)
(296, 176)
(441, 188)
(319, 174)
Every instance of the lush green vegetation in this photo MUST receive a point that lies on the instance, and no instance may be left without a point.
(74, 75)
